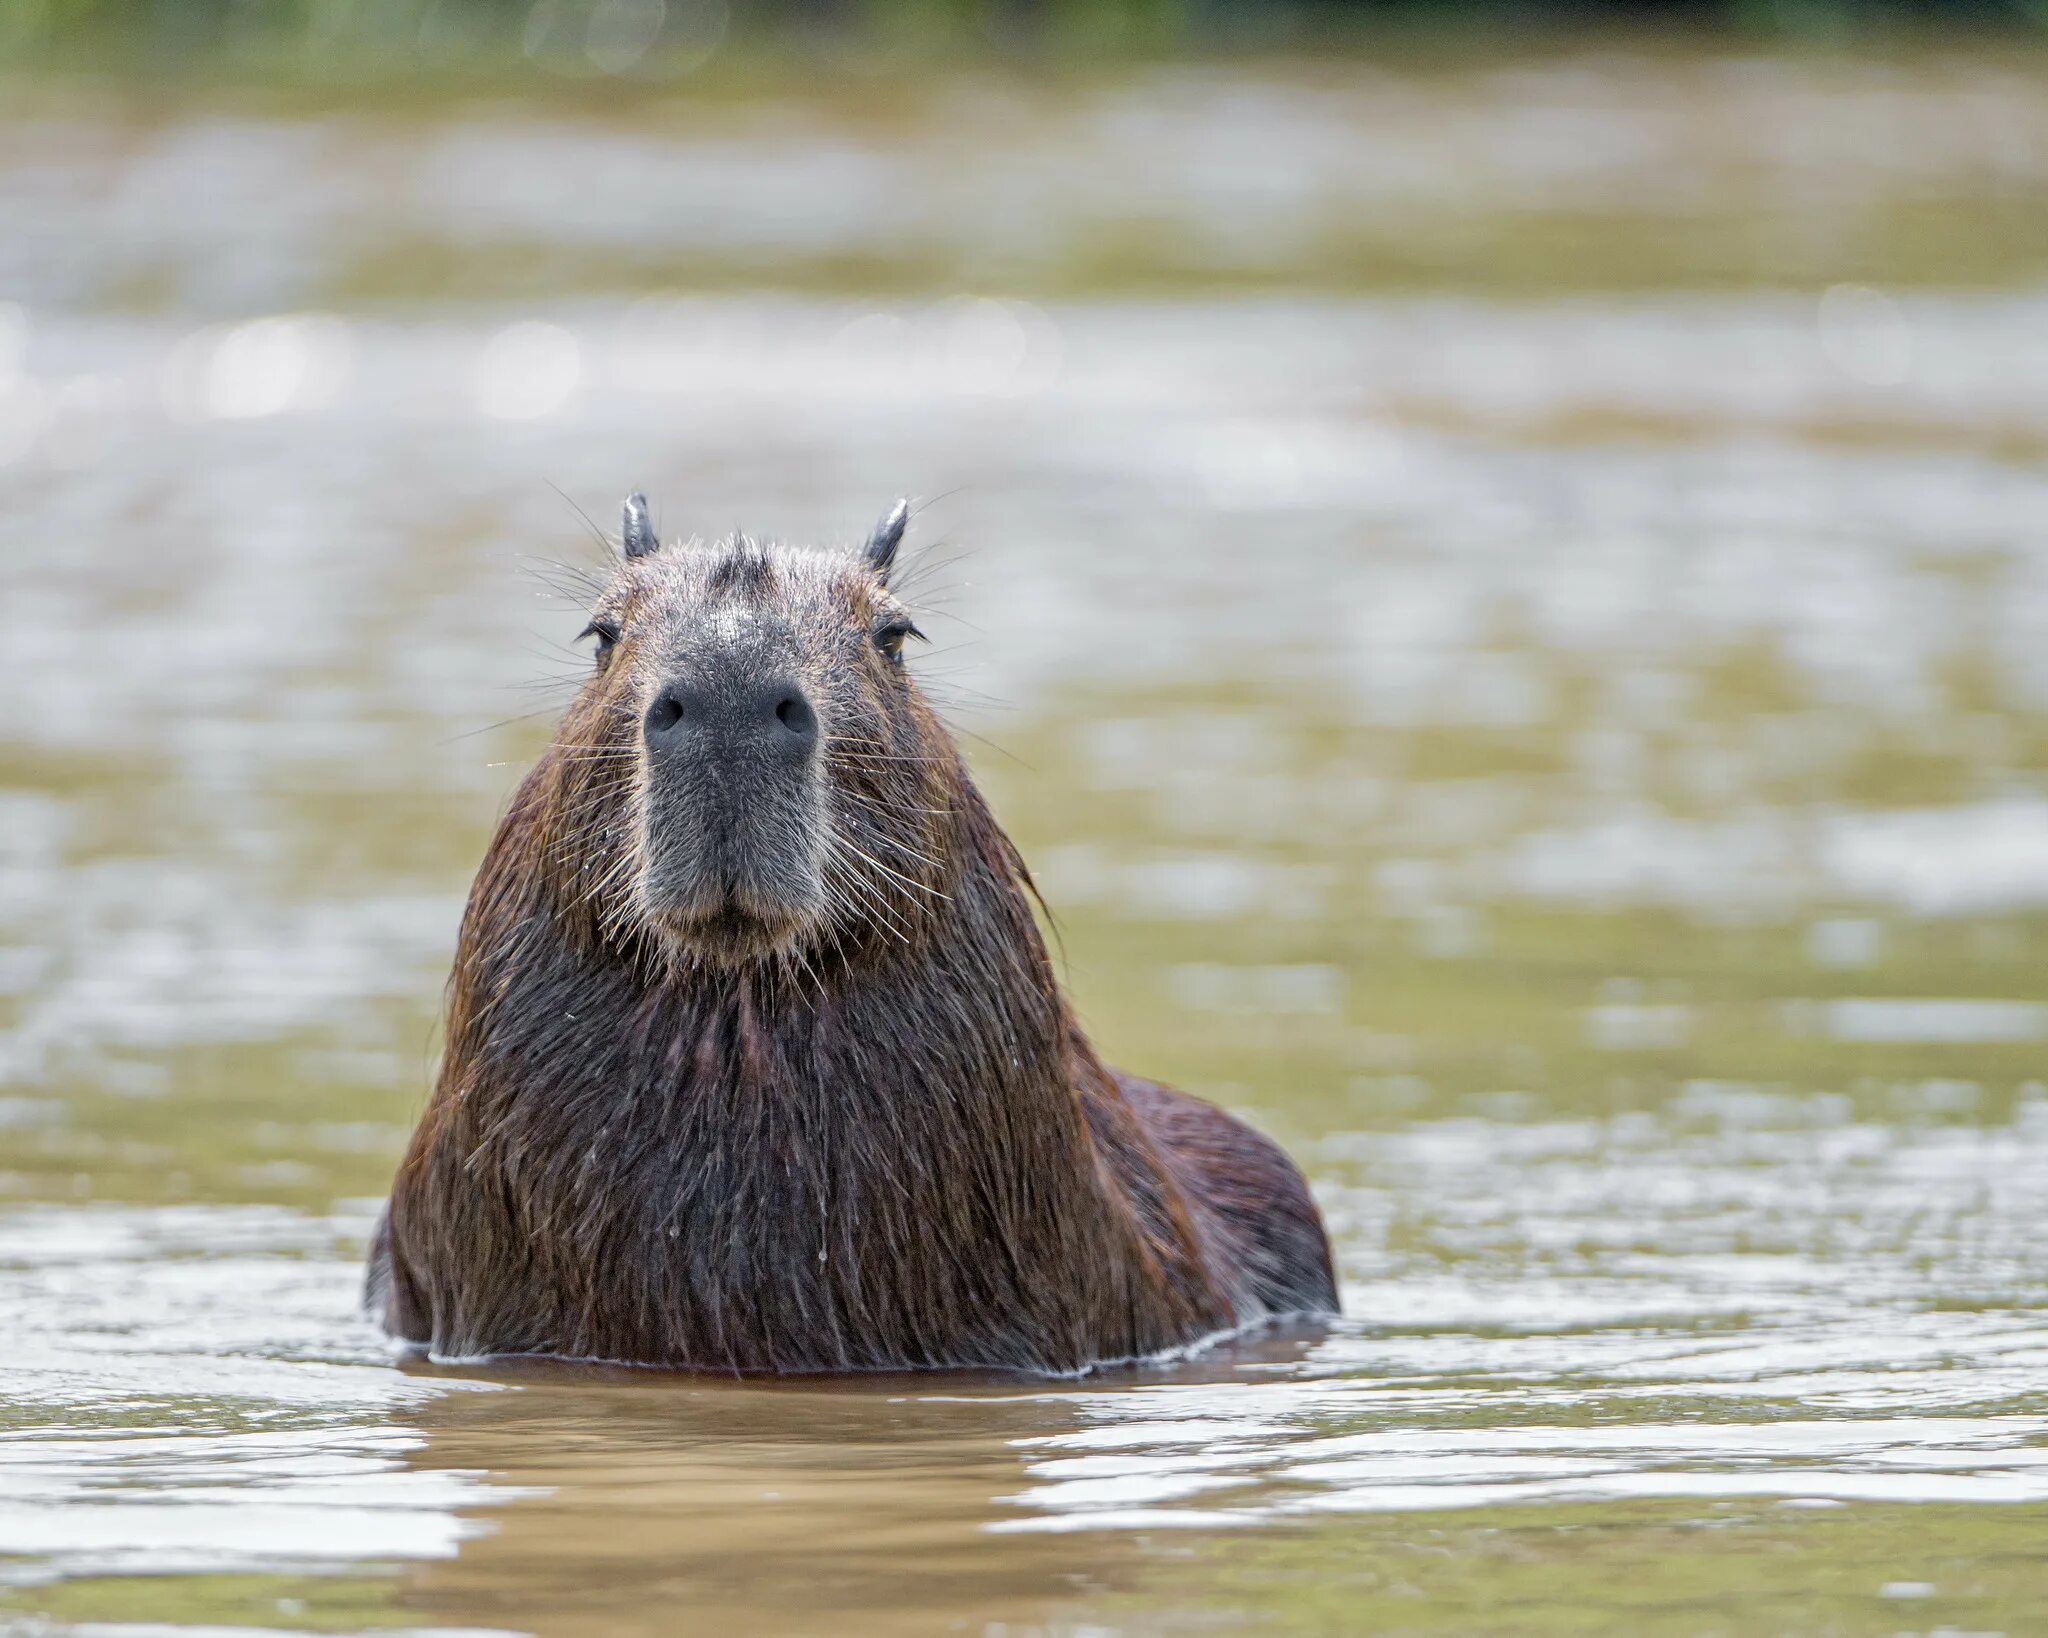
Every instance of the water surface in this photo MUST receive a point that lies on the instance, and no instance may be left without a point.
(1566, 752)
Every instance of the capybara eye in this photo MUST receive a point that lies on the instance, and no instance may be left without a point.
(605, 631)
(889, 638)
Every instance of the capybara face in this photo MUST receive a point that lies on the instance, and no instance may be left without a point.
(752, 770)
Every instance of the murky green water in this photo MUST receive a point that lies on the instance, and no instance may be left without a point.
(1514, 607)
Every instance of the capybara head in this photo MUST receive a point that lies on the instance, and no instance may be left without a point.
(749, 771)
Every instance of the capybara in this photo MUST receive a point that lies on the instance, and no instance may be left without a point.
(754, 1057)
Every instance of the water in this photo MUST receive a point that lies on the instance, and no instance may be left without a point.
(1573, 765)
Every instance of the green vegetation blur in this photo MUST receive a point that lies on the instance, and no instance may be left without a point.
(658, 39)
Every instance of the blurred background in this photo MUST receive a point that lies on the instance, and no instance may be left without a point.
(1493, 559)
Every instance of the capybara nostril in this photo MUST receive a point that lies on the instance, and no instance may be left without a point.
(794, 712)
(664, 715)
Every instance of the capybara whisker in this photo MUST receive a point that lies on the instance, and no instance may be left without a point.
(871, 907)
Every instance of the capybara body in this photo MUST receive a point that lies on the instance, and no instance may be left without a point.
(754, 1057)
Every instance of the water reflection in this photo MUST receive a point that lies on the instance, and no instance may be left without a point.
(754, 1509)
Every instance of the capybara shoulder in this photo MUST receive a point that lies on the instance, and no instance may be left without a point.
(1250, 1197)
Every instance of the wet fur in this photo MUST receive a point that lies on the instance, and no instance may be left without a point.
(884, 1144)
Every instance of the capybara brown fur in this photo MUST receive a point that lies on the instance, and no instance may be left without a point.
(754, 1057)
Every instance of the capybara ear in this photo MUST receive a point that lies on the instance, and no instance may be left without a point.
(636, 533)
(880, 550)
